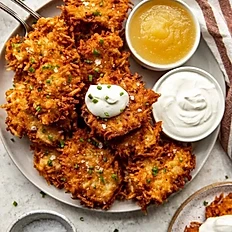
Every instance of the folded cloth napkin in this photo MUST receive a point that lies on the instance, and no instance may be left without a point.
(215, 17)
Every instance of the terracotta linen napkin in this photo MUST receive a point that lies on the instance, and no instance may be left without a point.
(215, 17)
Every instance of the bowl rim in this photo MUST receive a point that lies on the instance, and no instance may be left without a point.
(34, 212)
(220, 112)
(163, 67)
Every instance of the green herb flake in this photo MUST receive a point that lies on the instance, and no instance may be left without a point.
(90, 77)
(121, 110)
(106, 97)
(90, 96)
(39, 89)
(76, 166)
(31, 87)
(62, 143)
(50, 137)
(96, 52)
(102, 179)
(95, 101)
(48, 81)
(15, 204)
(101, 3)
(81, 219)
(97, 70)
(164, 170)
(31, 70)
(38, 108)
(148, 181)
(155, 171)
(108, 86)
(69, 79)
(15, 45)
(205, 203)
(97, 13)
(88, 61)
(104, 159)
(63, 179)
(114, 177)
(101, 41)
(43, 194)
(181, 159)
(121, 93)
(99, 87)
(32, 60)
(102, 74)
(81, 140)
(106, 114)
(49, 163)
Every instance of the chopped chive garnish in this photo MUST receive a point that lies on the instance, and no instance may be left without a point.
(106, 114)
(108, 86)
(31, 69)
(121, 93)
(69, 79)
(38, 108)
(102, 74)
(96, 70)
(95, 101)
(205, 203)
(148, 181)
(48, 81)
(96, 52)
(76, 166)
(63, 179)
(15, 203)
(32, 60)
(90, 77)
(99, 87)
(88, 61)
(165, 170)
(102, 179)
(101, 41)
(50, 137)
(101, 3)
(43, 194)
(97, 13)
(121, 110)
(31, 87)
(90, 96)
(106, 97)
(155, 171)
(82, 140)
(62, 143)
(49, 163)
(114, 176)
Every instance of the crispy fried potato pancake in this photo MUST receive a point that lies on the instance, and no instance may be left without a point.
(222, 205)
(47, 163)
(20, 121)
(46, 61)
(137, 112)
(137, 142)
(100, 55)
(155, 176)
(87, 17)
(92, 173)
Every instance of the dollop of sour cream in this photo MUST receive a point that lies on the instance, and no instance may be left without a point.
(217, 224)
(189, 105)
(106, 101)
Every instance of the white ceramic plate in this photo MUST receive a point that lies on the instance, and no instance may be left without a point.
(20, 152)
(193, 208)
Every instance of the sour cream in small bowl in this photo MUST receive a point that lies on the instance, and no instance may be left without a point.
(191, 104)
(162, 34)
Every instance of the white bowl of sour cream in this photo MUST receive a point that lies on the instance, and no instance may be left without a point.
(191, 104)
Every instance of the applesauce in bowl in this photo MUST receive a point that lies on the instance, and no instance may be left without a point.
(162, 34)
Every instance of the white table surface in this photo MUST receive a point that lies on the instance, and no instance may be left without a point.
(15, 187)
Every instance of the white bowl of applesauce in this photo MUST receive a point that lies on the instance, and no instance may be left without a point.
(162, 34)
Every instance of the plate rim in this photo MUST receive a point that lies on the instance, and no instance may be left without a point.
(135, 209)
(193, 196)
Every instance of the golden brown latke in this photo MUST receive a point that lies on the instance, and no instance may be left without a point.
(92, 173)
(138, 141)
(100, 55)
(46, 62)
(137, 112)
(90, 16)
(20, 121)
(155, 176)
(47, 163)
(222, 205)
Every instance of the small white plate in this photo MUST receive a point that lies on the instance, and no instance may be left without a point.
(193, 209)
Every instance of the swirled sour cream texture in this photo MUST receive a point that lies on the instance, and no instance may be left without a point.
(189, 104)
(106, 101)
(217, 224)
